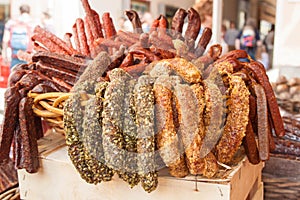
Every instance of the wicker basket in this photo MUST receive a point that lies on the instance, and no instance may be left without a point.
(49, 106)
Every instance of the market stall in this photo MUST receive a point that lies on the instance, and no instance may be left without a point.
(138, 114)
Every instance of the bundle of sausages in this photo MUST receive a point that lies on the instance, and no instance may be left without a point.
(139, 99)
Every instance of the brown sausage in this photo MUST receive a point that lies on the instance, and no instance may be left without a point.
(203, 41)
(28, 135)
(12, 98)
(40, 32)
(168, 141)
(177, 23)
(84, 48)
(64, 61)
(250, 145)
(42, 88)
(262, 125)
(262, 78)
(108, 26)
(194, 24)
(135, 20)
(53, 71)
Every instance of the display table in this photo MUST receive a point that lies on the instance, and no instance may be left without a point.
(58, 179)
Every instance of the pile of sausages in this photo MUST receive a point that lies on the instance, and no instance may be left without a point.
(207, 106)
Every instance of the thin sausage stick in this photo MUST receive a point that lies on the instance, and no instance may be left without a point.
(263, 125)
(177, 23)
(108, 26)
(84, 48)
(59, 42)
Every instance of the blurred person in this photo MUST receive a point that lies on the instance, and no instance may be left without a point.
(248, 38)
(147, 20)
(47, 22)
(269, 42)
(17, 36)
(231, 35)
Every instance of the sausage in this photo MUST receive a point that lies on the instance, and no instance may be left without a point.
(89, 36)
(79, 155)
(203, 41)
(161, 40)
(144, 40)
(237, 120)
(93, 19)
(84, 48)
(135, 20)
(17, 148)
(250, 145)
(163, 25)
(112, 131)
(236, 54)
(91, 138)
(263, 124)
(40, 32)
(15, 76)
(213, 117)
(61, 84)
(117, 58)
(28, 135)
(186, 70)
(260, 75)
(194, 24)
(37, 47)
(53, 71)
(144, 102)
(215, 51)
(94, 70)
(253, 112)
(130, 174)
(42, 88)
(168, 141)
(67, 39)
(154, 25)
(48, 44)
(108, 26)
(145, 52)
(188, 121)
(96, 26)
(177, 23)
(128, 38)
(55, 85)
(75, 36)
(29, 80)
(127, 61)
(24, 56)
(105, 43)
(63, 61)
(163, 53)
(136, 70)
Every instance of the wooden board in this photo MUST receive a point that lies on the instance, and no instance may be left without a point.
(58, 179)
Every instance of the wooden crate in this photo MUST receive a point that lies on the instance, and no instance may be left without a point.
(58, 179)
